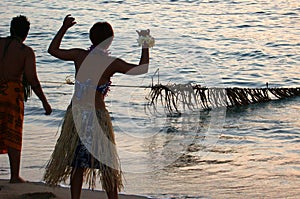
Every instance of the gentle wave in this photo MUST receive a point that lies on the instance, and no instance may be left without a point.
(241, 152)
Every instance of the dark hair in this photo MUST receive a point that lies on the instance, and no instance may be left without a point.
(101, 32)
(19, 26)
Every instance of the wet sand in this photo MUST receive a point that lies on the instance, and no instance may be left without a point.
(38, 190)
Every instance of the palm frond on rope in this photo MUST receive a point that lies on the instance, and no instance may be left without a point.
(189, 96)
(195, 97)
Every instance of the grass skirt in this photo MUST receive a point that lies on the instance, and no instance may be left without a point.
(59, 166)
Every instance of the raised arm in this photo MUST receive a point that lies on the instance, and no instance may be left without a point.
(31, 75)
(121, 66)
(54, 48)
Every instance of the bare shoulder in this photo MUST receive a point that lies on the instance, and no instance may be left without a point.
(121, 66)
(2, 41)
(76, 52)
(28, 50)
(80, 51)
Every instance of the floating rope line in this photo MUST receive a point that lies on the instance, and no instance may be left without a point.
(113, 85)
(70, 81)
(193, 97)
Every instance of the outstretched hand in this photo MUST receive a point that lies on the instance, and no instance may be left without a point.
(143, 32)
(69, 21)
(145, 39)
(47, 108)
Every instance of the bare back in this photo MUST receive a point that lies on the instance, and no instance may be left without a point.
(12, 59)
(97, 63)
(94, 67)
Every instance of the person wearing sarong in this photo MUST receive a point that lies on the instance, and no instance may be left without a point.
(86, 148)
(17, 74)
(11, 116)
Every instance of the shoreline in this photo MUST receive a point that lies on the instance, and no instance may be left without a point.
(39, 190)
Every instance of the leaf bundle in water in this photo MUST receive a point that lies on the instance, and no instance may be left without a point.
(194, 97)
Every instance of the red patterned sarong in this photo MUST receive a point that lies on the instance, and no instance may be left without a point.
(11, 115)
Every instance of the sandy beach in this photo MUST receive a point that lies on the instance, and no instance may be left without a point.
(37, 190)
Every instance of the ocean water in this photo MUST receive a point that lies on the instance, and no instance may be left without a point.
(242, 152)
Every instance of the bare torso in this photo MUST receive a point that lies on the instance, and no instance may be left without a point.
(103, 78)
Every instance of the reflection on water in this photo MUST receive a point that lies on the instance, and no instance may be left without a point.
(250, 158)
(245, 152)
